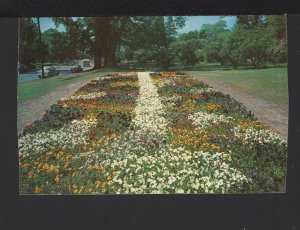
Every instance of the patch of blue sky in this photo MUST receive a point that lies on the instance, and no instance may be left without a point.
(192, 23)
(196, 22)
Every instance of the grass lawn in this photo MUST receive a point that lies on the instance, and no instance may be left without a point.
(36, 88)
(270, 84)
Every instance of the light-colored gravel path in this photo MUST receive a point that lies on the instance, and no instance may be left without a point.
(274, 115)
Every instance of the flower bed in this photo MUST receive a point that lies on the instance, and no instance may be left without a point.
(149, 133)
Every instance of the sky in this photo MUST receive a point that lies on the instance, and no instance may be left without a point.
(193, 23)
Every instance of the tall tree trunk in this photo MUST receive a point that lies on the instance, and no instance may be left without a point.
(98, 61)
(40, 41)
(98, 49)
(111, 56)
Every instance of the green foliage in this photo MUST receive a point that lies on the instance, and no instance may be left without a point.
(28, 41)
(250, 45)
(164, 56)
(56, 117)
(255, 40)
(187, 51)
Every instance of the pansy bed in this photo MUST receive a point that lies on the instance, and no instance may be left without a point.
(147, 133)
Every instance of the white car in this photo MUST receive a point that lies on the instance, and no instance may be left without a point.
(49, 71)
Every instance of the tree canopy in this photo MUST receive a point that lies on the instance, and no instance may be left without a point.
(254, 40)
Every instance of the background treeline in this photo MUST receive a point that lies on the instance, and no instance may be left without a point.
(111, 41)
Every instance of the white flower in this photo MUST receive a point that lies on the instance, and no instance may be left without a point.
(85, 96)
(203, 119)
(255, 135)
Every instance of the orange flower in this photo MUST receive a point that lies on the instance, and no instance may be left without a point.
(56, 179)
(37, 189)
(51, 168)
(27, 125)
(69, 157)
(24, 166)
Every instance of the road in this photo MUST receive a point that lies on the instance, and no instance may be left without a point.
(31, 75)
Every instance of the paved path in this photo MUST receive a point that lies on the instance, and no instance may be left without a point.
(30, 110)
(272, 114)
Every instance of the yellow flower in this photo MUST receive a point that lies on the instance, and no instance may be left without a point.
(212, 107)
(59, 154)
(30, 174)
(97, 183)
(81, 188)
(96, 166)
(45, 167)
(108, 177)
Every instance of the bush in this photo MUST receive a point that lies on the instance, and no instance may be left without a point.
(164, 56)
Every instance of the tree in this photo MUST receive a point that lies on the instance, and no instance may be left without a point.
(250, 21)
(249, 45)
(164, 56)
(213, 39)
(28, 41)
(77, 39)
(258, 39)
(187, 51)
(276, 31)
(106, 34)
(171, 30)
(41, 47)
(152, 36)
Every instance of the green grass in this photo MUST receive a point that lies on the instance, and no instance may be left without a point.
(270, 84)
(36, 88)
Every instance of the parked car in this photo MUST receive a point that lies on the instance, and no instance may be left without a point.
(76, 68)
(23, 68)
(49, 71)
(86, 63)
